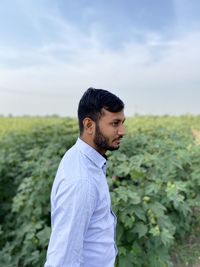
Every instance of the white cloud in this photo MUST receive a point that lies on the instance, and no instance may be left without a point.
(55, 74)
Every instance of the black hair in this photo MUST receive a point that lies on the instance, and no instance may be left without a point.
(92, 103)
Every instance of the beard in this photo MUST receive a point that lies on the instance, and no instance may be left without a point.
(102, 141)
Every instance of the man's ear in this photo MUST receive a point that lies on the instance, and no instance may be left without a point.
(89, 125)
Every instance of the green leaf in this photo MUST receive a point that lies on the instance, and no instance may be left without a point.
(44, 235)
(166, 237)
(140, 213)
(140, 229)
(157, 208)
(155, 231)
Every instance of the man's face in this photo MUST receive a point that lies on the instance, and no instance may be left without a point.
(109, 131)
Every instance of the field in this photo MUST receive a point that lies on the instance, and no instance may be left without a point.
(154, 180)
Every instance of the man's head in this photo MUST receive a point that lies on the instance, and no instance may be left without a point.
(101, 118)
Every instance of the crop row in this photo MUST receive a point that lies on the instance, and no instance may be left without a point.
(154, 180)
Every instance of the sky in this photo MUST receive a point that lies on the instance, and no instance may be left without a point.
(147, 52)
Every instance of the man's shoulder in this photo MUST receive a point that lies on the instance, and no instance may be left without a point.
(77, 157)
(70, 153)
(74, 164)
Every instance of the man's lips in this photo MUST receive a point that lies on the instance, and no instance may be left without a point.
(118, 140)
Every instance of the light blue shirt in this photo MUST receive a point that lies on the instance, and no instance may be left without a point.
(82, 221)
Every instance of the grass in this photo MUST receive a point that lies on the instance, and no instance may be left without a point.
(24, 124)
(187, 252)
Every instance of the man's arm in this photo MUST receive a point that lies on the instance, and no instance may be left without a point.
(74, 204)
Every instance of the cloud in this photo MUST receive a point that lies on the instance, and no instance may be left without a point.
(53, 74)
(135, 63)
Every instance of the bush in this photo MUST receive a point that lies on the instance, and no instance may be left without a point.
(28, 166)
(153, 178)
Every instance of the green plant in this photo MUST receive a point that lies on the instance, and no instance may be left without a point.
(153, 178)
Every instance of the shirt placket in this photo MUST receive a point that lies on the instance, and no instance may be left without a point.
(115, 218)
(104, 168)
(115, 222)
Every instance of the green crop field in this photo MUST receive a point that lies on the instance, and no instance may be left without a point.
(154, 179)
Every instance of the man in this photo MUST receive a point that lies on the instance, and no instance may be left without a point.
(83, 224)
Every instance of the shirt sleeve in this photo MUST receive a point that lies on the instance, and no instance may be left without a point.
(74, 204)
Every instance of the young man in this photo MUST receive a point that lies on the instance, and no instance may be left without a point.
(83, 224)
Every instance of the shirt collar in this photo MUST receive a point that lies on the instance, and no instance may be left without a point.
(91, 153)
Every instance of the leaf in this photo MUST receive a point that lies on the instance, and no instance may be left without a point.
(155, 231)
(44, 235)
(140, 213)
(157, 208)
(140, 229)
(166, 237)
(126, 261)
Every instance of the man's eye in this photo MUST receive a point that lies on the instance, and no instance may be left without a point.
(115, 123)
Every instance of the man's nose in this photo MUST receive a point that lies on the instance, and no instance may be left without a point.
(121, 130)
